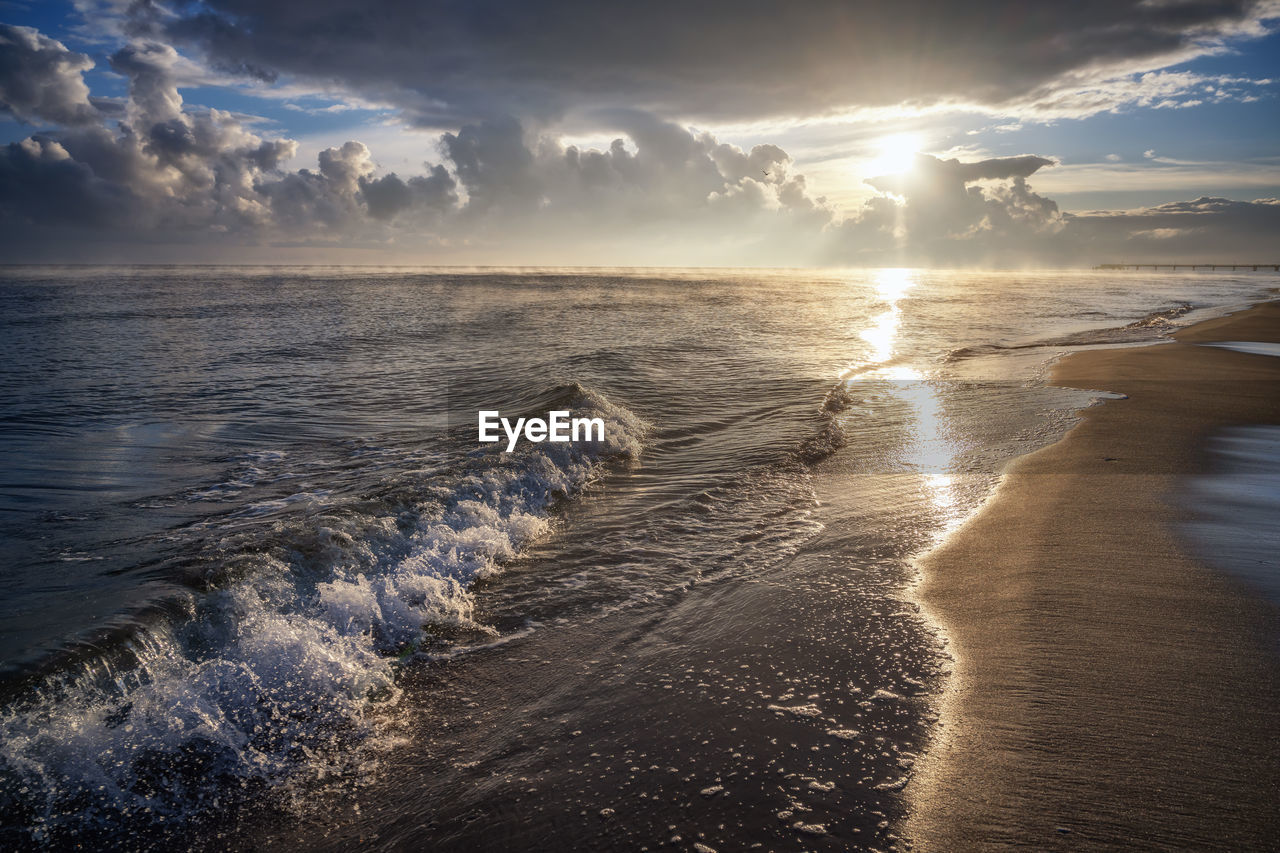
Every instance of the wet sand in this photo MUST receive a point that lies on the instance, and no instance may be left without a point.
(774, 711)
(1110, 691)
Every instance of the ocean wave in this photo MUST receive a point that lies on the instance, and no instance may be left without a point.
(273, 675)
(1151, 327)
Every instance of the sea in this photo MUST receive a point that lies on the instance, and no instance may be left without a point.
(261, 585)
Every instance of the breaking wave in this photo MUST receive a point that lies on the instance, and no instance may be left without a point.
(283, 665)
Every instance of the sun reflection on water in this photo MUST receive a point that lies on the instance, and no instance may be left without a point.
(931, 452)
(891, 286)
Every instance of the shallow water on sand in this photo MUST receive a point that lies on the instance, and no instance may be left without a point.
(254, 557)
(1251, 347)
(1235, 510)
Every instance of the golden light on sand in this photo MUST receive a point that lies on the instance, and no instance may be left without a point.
(896, 154)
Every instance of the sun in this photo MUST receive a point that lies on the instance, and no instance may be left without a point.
(897, 154)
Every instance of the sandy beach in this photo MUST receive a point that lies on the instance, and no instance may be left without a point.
(1110, 691)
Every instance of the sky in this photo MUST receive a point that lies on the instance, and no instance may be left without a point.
(825, 133)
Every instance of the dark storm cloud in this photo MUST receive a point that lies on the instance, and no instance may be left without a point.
(41, 80)
(450, 61)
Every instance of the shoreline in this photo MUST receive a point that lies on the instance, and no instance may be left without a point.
(1109, 689)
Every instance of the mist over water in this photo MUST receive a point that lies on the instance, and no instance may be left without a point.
(244, 515)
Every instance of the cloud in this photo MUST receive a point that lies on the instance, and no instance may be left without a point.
(433, 194)
(1207, 229)
(982, 214)
(1109, 90)
(657, 188)
(952, 213)
(1160, 174)
(164, 171)
(41, 80)
(153, 91)
(936, 177)
(41, 182)
(447, 63)
(157, 171)
(161, 167)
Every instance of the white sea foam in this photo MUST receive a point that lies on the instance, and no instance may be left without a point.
(277, 675)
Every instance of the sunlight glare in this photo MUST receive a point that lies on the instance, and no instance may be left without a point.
(897, 154)
(891, 285)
